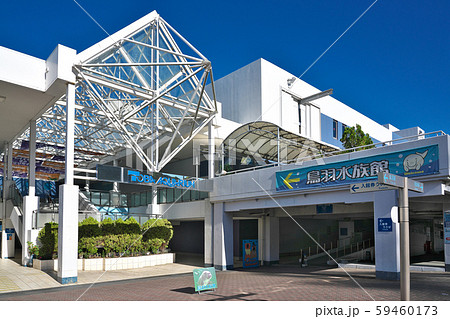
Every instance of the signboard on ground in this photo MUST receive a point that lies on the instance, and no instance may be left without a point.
(205, 279)
(250, 253)
(384, 225)
(369, 186)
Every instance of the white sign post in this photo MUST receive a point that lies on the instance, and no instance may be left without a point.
(403, 184)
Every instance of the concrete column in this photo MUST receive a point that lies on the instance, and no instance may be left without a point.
(155, 206)
(261, 239)
(387, 244)
(8, 239)
(8, 233)
(68, 204)
(223, 238)
(271, 243)
(209, 236)
(447, 234)
(129, 157)
(211, 150)
(30, 202)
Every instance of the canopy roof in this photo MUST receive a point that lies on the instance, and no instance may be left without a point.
(135, 90)
(260, 143)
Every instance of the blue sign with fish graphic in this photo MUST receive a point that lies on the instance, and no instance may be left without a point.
(409, 163)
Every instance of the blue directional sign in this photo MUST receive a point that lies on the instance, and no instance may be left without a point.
(384, 224)
(368, 186)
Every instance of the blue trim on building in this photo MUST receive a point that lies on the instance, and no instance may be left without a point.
(67, 280)
(222, 268)
(387, 275)
(326, 124)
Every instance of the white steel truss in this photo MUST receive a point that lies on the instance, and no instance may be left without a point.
(135, 88)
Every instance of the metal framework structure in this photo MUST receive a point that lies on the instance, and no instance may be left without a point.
(138, 90)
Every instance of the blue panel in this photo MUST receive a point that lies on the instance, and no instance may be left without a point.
(384, 225)
(410, 163)
(326, 124)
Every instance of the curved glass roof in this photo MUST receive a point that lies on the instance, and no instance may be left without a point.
(261, 143)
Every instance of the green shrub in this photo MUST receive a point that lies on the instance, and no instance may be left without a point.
(133, 226)
(130, 226)
(123, 245)
(107, 226)
(157, 228)
(155, 244)
(48, 241)
(89, 228)
(88, 247)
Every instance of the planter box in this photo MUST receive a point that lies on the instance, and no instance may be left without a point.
(104, 264)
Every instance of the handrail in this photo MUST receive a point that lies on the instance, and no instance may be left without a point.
(338, 152)
(16, 196)
(319, 249)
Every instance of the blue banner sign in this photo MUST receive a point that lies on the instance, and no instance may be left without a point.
(250, 252)
(409, 163)
(125, 175)
(384, 224)
(141, 178)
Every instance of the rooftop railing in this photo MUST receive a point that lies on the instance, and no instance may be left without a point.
(339, 152)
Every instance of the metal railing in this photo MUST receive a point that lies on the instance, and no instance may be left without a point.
(336, 248)
(16, 196)
(339, 152)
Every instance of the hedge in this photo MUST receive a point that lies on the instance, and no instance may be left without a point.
(48, 241)
(110, 238)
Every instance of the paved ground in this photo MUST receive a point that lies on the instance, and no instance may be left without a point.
(281, 282)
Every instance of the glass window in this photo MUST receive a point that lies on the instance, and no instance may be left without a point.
(123, 200)
(195, 195)
(136, 199)
(186, 195)
(104, 199)
(178, 193)
(335, 129)
(170, 198)
(95, 198)
(143, 196)
(162, 196)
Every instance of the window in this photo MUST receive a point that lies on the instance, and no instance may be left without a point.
(335, 129)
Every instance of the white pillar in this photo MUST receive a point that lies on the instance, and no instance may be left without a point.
(30, 202)
(223, 238)
(8, 247)
(387, 244)
(68, 203)
(155, 206)
(211, 150)
(209, 237)
(271, 241)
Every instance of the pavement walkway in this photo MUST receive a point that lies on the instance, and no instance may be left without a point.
(14, 277)
(175, 282)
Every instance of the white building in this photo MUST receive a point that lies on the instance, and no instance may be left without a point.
(265, 145)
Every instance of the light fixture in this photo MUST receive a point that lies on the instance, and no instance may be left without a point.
(2, 98)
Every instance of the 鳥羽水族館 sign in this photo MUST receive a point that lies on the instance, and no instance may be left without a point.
(409, 163)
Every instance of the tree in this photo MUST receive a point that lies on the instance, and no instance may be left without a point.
(354, 137)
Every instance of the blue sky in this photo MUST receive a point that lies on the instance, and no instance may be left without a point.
(393, 65)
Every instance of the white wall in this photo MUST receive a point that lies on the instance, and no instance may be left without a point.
(22, 69)
(240, 93)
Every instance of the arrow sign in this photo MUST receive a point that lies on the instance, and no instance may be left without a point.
(400, 182)
(369, 186)
(288, 180)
